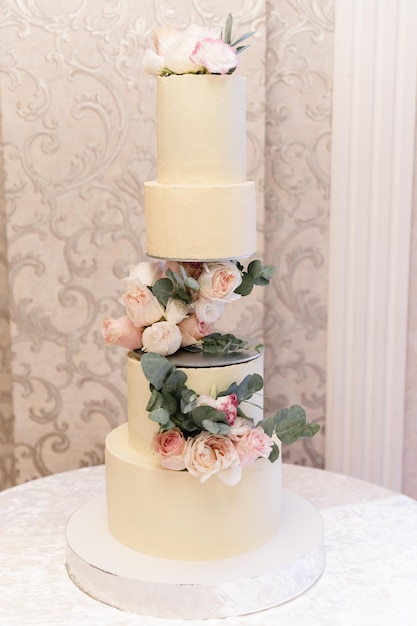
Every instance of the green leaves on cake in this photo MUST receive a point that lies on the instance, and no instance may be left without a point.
(172, 305)
(195, 50)
(256, 274)
(210, 434)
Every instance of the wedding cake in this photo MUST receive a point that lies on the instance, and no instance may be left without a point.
(195, 472)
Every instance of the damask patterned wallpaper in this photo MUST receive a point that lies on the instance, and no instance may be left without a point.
(78, 142)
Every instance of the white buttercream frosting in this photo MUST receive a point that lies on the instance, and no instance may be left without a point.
(200, 222)
(201, 125)
(172, 515)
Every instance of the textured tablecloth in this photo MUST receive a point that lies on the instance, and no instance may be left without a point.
(370, 576)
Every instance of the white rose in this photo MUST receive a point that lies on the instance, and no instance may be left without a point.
(153, 63)
(145, 273)
(219, 280)
(175, 311)
(208, 311)
(163, 37)
(162, 337)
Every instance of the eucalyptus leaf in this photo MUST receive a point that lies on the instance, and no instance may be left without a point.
(260, 281)
(249, 385)
(274, 455)
(217, 343)
(155, 401)
(162, 290)
(217, 428)
(243, 38)
(205, 412)
(255, 268)
(246, 286)
(175, 383)
(188, 400)
(160, 416)
(290, 425)
(191, 283)
(169, 403)
(156, 368)
(227, 37)
(268, 425)
(268, 271)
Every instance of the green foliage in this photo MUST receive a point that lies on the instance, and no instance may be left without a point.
(245, 390)
(172, 404)
(175, 285)
(255, 274)
(289, 425)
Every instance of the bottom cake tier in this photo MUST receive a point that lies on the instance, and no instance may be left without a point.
(172, 515)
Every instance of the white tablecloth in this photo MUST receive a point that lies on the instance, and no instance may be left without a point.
(370, 576)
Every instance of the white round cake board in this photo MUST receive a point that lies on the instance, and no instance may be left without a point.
(136, 582)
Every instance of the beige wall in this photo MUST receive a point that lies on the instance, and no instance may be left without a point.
(78, 133)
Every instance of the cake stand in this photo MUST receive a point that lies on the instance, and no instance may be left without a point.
(131, 581)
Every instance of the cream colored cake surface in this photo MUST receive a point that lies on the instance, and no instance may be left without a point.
(173, 515)
(200, 222)
(200, 379)
(201, 207)
(201, 126)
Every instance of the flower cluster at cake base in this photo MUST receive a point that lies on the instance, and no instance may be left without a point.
(210, 434)
(172, 305)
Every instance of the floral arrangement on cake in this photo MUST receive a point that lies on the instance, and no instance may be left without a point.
(210, 434)
(196, 50)
(172, 305)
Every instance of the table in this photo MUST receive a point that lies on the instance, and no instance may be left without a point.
(370, 540)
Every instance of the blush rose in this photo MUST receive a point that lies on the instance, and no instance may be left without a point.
(253, 444)
(193, 330)
(170, 446)
(226, 404)
(215, 55)
(209, 454)
(122, 332)
(219, 280)
(162, 337)
(141, 306)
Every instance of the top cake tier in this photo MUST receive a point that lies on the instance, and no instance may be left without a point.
(201, 129)
(201, 207)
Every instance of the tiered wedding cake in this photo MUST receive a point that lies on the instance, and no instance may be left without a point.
(195, 473)
(192, 524)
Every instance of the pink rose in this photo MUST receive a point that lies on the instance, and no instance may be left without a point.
(162, 337)
(215, 55)
(178, 54)
(173, 49)
(170, 446)
(141, 306)
(192, 330)
(226, 404)
(252, 445)
(219, 280)
(209, 454)
(122, 332)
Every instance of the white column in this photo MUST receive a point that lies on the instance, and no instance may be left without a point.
(375, 73)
